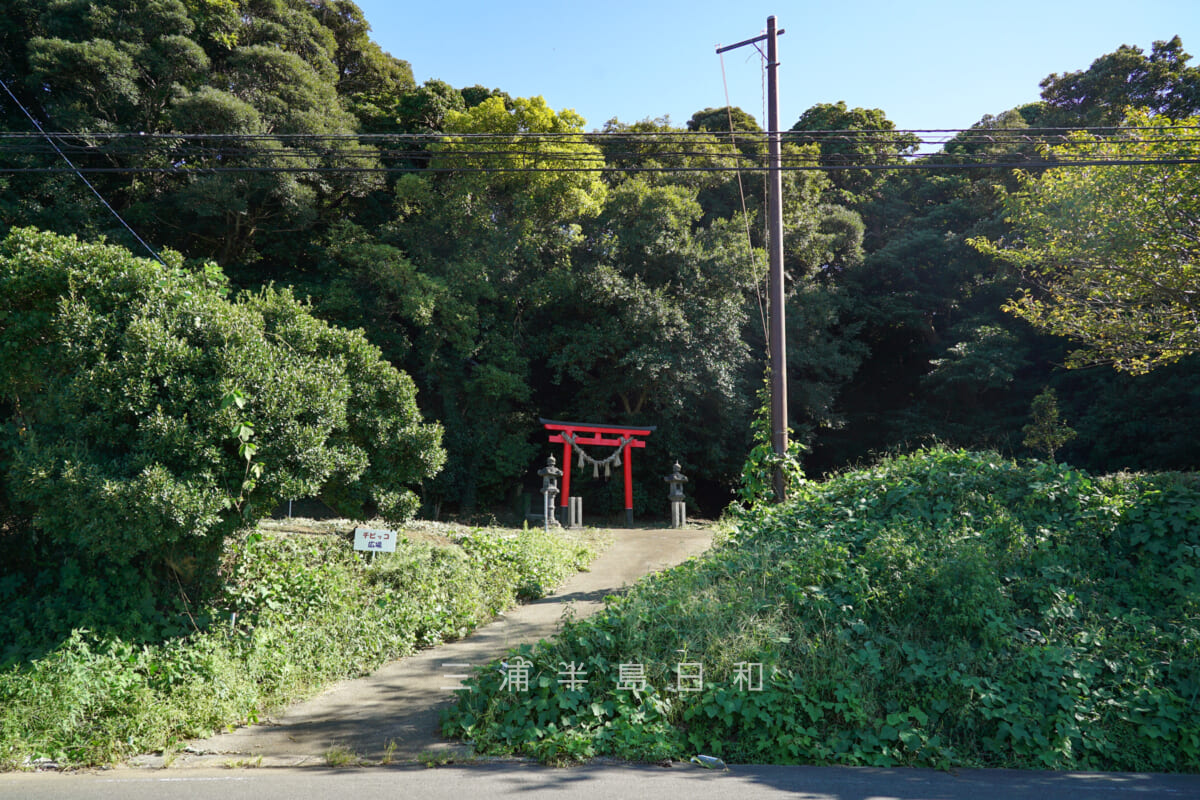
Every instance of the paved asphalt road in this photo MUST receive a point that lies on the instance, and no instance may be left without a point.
(531, 782)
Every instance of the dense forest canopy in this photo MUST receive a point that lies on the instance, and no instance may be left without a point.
(625, 295)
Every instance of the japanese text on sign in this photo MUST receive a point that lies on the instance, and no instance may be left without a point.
(374, 540)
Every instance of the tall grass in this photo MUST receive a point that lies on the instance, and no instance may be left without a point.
(297, 612)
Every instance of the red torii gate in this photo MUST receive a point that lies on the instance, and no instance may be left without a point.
(566, 433)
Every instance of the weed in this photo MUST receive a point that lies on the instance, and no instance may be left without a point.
(340, 756)
(440, 758)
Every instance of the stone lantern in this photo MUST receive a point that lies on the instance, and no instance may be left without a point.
(678, 506)
(550, 475)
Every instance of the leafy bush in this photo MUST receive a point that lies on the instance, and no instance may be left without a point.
(941, 609)
(294, 613)
(758, 471)
(148, 416)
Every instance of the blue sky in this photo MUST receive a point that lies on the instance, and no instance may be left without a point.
(926, 63)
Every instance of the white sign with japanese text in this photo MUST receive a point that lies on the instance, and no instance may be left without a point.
(374, 540)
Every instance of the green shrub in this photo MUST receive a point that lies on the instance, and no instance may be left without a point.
(940, 609)
(148, 416)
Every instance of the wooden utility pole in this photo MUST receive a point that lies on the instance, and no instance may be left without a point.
(777, 336)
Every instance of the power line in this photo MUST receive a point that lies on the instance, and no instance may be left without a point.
(607, 152)
(91, 142)
(436, 135)
(904, 166)
(88, 183)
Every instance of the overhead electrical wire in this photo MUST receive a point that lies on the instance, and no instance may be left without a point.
(77, 172)
(1109, 130)
(605, 152)
(506, 169)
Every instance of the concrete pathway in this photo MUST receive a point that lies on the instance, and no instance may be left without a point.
(393, 713)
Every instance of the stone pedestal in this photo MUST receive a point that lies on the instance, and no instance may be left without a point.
(678, 514)
(575, 513)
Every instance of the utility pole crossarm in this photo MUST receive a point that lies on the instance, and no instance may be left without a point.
(756, 39)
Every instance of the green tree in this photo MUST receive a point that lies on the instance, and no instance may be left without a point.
(113, 66)
(370, 82)
(1161, 82)
(1047, 432)
(281, 77)
(474, 95)
(936, 357)
(864, 136)
(933, 356)
(103, 67)
(726, 123)
(1110, 252)
(654, 144)
(723, 120)
(488, 234)
(238, 71)
(711, 264)
(648, 329)
(425, 108)
(117, 444)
